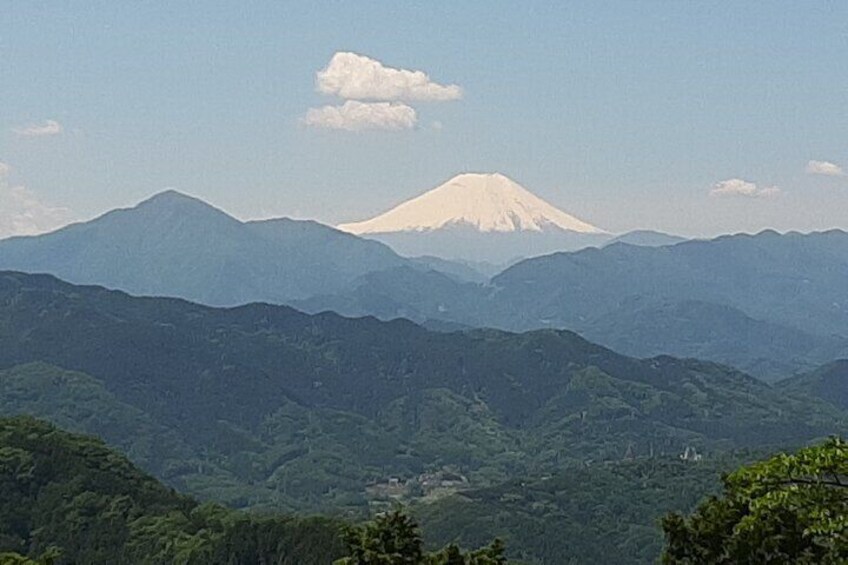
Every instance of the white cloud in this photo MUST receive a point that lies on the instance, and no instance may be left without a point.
(825, 168)
(48, 128)
(4, 170)
(356, 77)
(739, 187)
(358, 116)
(22, 213)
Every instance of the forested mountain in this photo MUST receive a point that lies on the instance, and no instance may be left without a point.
(829, 383)
(792, 279)
(706, 330)
(600, 514)
(789, 508)
(770, 304)
(67, 498)
(71, 498)
(265, 406)
(175, 245)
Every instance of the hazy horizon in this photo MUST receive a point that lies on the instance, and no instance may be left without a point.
(260, 218)
(687, 119)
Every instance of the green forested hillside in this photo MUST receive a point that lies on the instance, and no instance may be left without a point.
(828, 383)
(69, 496)
(771, 304)
(268, 408)
(80, 403)
(601, 514)
(263, 406)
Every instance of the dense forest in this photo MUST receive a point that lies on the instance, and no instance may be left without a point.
(265, 408)
(69, 495)
(67, 498)
(570, 517)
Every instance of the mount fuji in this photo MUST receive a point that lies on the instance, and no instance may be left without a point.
(480, 218)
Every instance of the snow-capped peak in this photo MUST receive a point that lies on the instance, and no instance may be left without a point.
(486, 202)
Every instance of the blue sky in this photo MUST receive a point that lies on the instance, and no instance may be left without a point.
(626, 114)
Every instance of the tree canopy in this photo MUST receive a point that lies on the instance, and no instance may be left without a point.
(66, 498)
(394, 538)
(791, 508)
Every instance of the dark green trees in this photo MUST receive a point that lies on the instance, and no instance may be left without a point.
(49, 557)
(788, 509)
(67, 498)
(394, 539)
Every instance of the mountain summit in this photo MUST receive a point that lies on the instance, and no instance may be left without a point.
(484, 202)
(178, 245)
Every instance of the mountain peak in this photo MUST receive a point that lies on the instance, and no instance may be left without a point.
(488, 202)
(171, 197)
(170, 204)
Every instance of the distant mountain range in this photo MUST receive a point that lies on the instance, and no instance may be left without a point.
(646, 238)
(175, 245)
(234, 397)
(771, 304)
(265, 406)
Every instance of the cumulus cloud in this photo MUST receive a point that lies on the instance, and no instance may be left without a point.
(23, 213)
(359, 116)
(825, 168)
(357, 77)
(48, 128)
(739, 187)
(4, 170)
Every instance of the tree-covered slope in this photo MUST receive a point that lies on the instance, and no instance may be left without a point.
(79, 403)
(781, 295)
(721, 333)
(828, 383)
(792, 279)
(69, 495)
(276, 408)
(607, 513)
